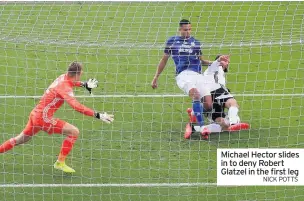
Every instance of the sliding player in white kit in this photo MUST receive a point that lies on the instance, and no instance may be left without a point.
(215, 80)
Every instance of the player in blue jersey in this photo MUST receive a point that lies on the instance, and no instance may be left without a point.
(186, 53)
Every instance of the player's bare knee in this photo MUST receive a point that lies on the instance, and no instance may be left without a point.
(74, 132)
(194, 94)
(207, 107)
(22, 138)
(231, 102)
(70, 130)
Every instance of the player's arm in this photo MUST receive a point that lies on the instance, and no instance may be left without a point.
(198, 51)
(221, 61)
(78, 84)
(163, 62)
(205, 62)
(161, 66)
(89, 85)
(213, 66)
(68, 96)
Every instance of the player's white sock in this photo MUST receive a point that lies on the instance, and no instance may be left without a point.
(233, 115)
(214, 128)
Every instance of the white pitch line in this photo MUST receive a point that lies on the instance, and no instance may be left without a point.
(135, 44)
(147, 96)
(107, 185)
(106, 96)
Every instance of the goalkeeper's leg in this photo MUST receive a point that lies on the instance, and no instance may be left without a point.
(71, 133)
(30, 130)
(11, 143)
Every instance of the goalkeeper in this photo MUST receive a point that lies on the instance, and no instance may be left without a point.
(42, 116)
(214, 77)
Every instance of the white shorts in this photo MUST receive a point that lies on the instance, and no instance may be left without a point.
(188, 80)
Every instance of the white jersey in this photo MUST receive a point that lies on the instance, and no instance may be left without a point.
(214, 76)
(210, 83)
(216, 71)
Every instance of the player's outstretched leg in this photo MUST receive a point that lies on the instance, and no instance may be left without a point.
(234, 119)
(233, 110)
(72, 134)
(11, 143)
(8, 145)
(239, 126)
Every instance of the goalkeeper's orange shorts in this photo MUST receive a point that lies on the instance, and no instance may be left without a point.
(37, 123)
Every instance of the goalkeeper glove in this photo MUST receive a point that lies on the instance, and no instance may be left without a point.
(108, 118)
(90, 84)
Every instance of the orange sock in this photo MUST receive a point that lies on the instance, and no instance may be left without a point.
(66, 147)
(8, 145)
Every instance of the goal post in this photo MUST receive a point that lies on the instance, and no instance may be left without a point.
(142, 155)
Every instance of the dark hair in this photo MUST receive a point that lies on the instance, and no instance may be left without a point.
(184, 21)
(74, 68)
(218, 56)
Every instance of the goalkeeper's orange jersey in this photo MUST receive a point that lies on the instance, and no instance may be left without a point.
(59, 91)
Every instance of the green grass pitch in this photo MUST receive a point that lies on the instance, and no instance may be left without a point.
(121, 44)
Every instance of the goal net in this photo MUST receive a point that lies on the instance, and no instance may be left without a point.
(142, 155)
